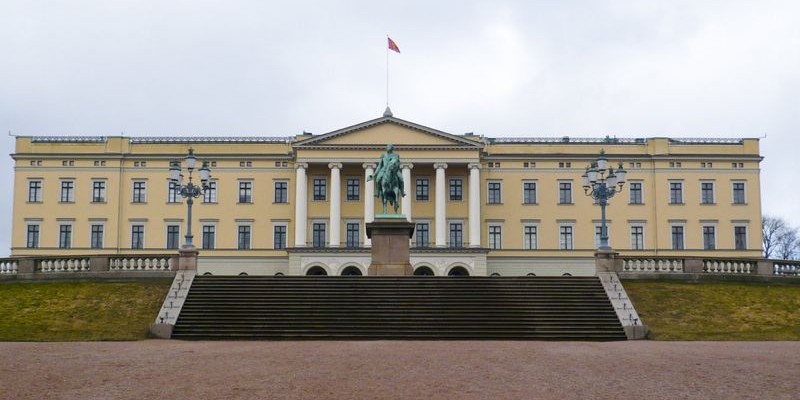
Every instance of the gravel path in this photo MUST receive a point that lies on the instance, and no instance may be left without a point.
(400, 369)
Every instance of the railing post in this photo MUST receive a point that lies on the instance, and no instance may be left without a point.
(765, 267)
(693, 265)
(26, 266)
(606, 261)
(98, 263)
(187, 258)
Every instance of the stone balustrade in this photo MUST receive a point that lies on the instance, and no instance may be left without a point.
(141, 263)
(8, 266)
(707, 265)
(652, 264)
(88, 264)
(786, 267)
(715, 266)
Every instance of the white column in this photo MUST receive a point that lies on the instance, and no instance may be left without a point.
(369, 199)
(334, 226)
(474, 205)
(300, 205)
(441, 211)
(406, 203)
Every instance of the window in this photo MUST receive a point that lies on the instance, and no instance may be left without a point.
(35, 191)
(740, 237)
(137, 236)
(565, 165)
(281, 192)
(352, 234)
(676, 192)
(139, 192)
(173, 236)
(494, 196)
(456, 234)
(245, 192)
(495, 237)
(422, 235)
(565, 193)
(318, 234)
(529, 192)
(320, 189)
(173, 192)
(637, 238)
(529, 240)
(709, 238)
(707, 192)
(677, 237)
(353, 189)
(456, 189)
(674, 164)
(67, 191)
(33, 236)
(737, 165)
(96, 240)
(244, 237)
(738, 193)
(209, 236)
(64, 236)
(98, 191)
(531, 164)
(210, 194)
(422, 189)
(565, 237)
(279, 237)
(635, 189)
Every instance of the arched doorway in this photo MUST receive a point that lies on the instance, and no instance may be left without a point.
(458, 271)
(423, 271)
(351, 271)
(316, 271)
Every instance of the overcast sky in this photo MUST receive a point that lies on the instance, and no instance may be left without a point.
(498, 68)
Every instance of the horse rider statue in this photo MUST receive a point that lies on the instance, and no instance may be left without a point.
(389, 179)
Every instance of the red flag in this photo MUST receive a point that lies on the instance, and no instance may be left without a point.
(393, 45)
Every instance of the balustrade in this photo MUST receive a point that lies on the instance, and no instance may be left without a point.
(140, 263)
(652, 265)
(9, 266)
(65, 264)
(786, 268)
(729, 266)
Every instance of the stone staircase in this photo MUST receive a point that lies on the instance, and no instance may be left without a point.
(343, 307)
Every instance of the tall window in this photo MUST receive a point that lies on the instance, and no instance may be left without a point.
(738, 193)
(677, 237)
(64, 236)
(244, 237)
(529, 192)
(352, 234)
(320, 189)
(456, 189)
(709, 238)
(707, 192)
(635, 189)
(456, 234)
(67, 191)
(139, 191)
(422, 189)
(35, 191)
(740, 237)
(422, 235)
(494, 196)
(565, 237)
(676, 192)
(98, 191)
(209, 236)
(495, 237)
(173, 236)
(137, 236)
(529, 240)
(279, 236)
(173, 192)
(353, 189)
(210, 194)
(565, 192)
(245, 192)
(637, 238)
(281, 192)
(33, 236)
(318, 234)
(97, 236)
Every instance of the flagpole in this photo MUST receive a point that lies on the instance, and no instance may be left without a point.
(387, 69)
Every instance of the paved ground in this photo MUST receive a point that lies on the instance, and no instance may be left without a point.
(400, 369)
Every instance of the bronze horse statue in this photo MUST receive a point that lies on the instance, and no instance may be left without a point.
(389, 179)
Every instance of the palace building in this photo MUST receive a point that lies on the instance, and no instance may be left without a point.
(298, 205)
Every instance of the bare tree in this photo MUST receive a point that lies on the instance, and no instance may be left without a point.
(772, 228)
(788, 244)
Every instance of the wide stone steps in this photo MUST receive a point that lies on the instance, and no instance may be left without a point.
(247, 307)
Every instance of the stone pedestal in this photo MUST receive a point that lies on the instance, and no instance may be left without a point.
(187, 258)
(605, 261)
(390, 249)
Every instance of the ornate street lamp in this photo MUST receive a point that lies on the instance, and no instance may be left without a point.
(189, 190)
(602, 182)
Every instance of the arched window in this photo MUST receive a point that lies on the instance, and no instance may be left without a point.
(316, 271)
(351, 271)
(494, 274)
(458, 271)
(423, 271)
(566, 274)
(208, 274)
(279, 274)
(531, 274)
(242, 273)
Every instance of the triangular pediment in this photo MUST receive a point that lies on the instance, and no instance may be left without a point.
(389, 130)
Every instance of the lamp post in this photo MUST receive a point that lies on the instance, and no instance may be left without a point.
(602, 182)
(190, 190)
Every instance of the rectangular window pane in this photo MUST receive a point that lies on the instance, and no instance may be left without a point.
(209, 236)
(353, 189)
(137, 236)
(565, 238)
(635, 189)
(495, 237)
(97, 237)
(173, 196)
(456, 190)
(529, 192)
(64, 236)
(139, 192)
(245, 192)
(320, 189)
(738, 193)
(677, 238)
(279, 236)
(35, 191)
(676, 193)
(637, 237)
(210, 194)
(67, 191)
(173, 236)
(529, 237)
(244, 237)
(565, 193)
(318, 235)
(422, 189)
(353, 234)
(33, 237)
(494, 193)
(422, 235)
(709, 240)
(456, 235)
(707, 193)
(740, 237)
(281, 192)
(98, 191)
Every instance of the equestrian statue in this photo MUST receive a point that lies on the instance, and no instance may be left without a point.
(388, 179)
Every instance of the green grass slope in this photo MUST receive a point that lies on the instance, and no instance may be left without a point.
(68, 311)
(717, 310)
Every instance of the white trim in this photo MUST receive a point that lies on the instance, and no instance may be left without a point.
(536, 238)
(733, 195)
(535, 182)
(683, 236)
(558, 235)
(133, 190)
(713, 190)
(39, 239)
(327, 187)
(488, 235)
(131, 224)
(641, 183)
(490, 181)
(288, 194)
(746, 227)
(102, 239)
(703, 238)
(284, 224)
(642, 225)
(167, 224)
(248, 224)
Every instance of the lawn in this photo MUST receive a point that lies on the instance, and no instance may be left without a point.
(67, 311)
(717, 310)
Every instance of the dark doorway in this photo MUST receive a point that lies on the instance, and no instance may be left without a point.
(458, 271)
(316, 271)
(423, 271)
(351, 271)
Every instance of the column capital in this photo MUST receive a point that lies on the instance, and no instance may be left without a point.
(369, 165)
(301, 165)
(474, 165)
(335, 165)
(406, 165)
(440, 165)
